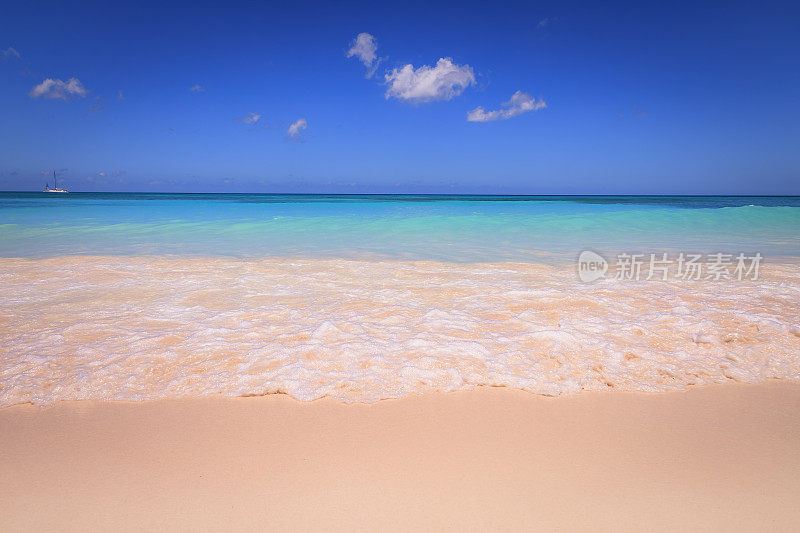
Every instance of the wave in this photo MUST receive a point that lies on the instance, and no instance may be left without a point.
(143, 328)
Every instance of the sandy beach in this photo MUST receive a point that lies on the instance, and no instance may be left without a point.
(722, 457)
(513, 266)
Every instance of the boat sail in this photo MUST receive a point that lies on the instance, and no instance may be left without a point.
(55, 186)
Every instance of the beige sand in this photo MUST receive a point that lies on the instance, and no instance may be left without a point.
(718, 458)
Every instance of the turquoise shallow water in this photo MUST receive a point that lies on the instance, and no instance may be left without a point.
(436, 227)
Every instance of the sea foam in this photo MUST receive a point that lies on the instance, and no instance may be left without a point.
(140, 328)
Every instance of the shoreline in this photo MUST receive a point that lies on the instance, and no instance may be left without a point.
(116, 328)
(715, 457)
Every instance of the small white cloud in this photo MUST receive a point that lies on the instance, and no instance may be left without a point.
(58, 89)
(10, 53)
(197, 89)
(519, 103)
(427, 84)
(120, 96)
(251, 118)
(365, 48)
(297, 128)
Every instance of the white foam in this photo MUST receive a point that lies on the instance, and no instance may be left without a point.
(136, 328)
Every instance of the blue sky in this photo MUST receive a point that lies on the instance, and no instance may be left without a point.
(612, 98)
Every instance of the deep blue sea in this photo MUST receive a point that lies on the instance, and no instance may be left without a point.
(462, 228)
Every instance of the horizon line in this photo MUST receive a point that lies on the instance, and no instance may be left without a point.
(651, 195)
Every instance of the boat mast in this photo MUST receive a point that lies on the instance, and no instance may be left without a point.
(55, 184)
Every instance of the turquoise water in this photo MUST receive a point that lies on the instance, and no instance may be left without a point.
(424, 227)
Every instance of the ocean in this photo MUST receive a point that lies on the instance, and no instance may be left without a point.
(458, 228)
(363, 298)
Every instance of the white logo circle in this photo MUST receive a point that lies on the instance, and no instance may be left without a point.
(591, 266)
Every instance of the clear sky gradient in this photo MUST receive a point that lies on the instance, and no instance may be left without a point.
(615, 98)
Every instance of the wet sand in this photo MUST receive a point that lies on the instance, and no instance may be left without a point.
(148, 328)
(722, 457)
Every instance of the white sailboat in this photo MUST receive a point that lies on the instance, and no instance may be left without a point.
(55, 186)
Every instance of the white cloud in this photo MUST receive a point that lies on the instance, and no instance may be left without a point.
(120, 96)
(519, 103)
(58, 89)
(251, 118)
(10, 52)
(197, 89)
(297, 128)
(365, 48)
(426, 84)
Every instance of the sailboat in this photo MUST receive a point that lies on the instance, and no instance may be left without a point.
(55, 185)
